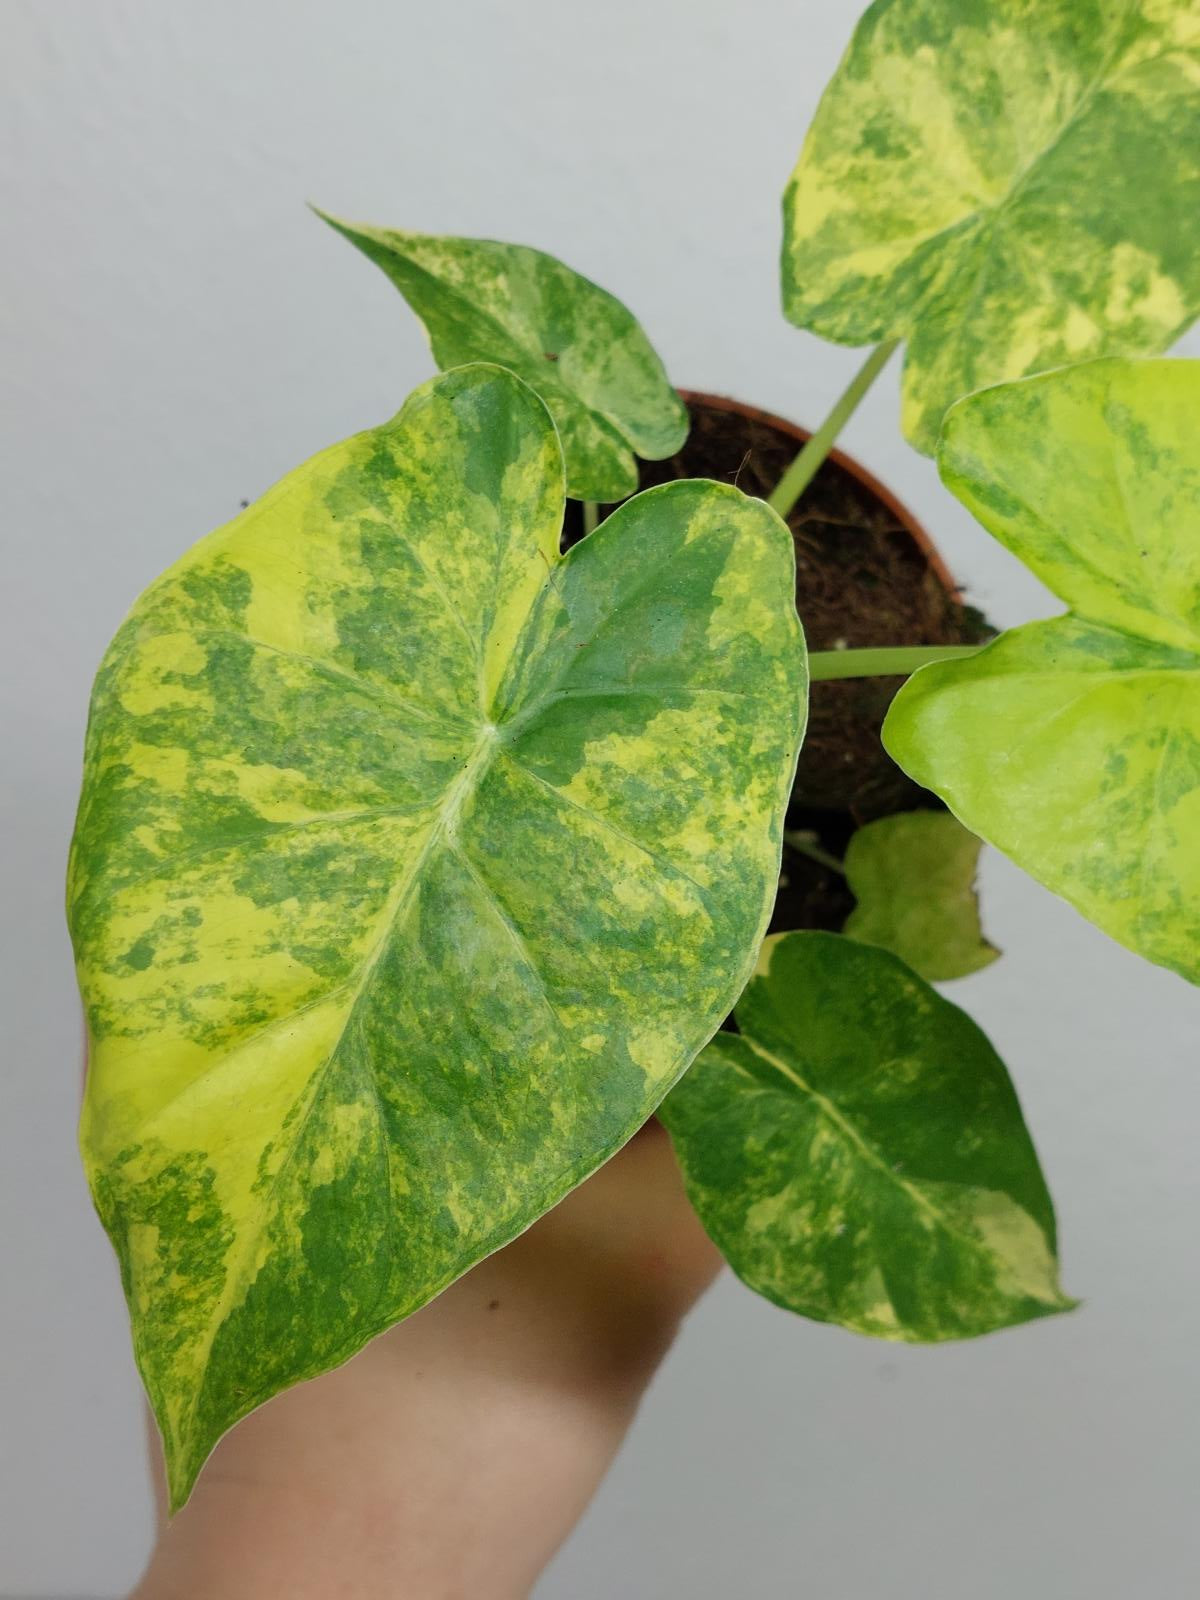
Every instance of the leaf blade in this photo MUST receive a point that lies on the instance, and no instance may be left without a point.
(576, 345)
(1000, 186)
(362, 1001)
(913, 876)
(857, 1152)
(1091, 721)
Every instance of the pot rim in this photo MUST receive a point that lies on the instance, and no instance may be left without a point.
(721, 402)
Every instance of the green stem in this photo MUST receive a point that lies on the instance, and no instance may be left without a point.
(591, 517)
(804, 468)
(885, 663)
(805, 844)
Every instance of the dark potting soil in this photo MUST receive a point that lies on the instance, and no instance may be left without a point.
(861, 579)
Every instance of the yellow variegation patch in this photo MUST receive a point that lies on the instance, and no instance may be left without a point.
(414, 862)
(1009, 186)
(1074, 744)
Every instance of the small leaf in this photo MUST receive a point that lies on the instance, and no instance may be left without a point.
(414, 862)
(1009, 187)
(573, 343)
(857, 1153)
(1074, 745)
(913, 875)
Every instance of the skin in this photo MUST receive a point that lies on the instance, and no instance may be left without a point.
(452, 1456)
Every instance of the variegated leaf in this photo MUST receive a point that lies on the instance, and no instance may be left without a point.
(857, 1153)
(913, 875)
(572, 342)
(1009, 186)
(414, 862)
(1074, 745)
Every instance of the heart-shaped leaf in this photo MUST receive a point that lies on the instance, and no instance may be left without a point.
(1007, 186)
(857, 1153)
(1074, 745)
(913, 875)
(573, 343)
(414, 862)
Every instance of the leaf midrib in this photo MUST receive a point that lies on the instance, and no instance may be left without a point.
(851, 1135)
(447, 814)
(986, 217)
(1105, 70)
(441, 828)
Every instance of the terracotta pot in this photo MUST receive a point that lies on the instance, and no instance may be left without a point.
(718, 402)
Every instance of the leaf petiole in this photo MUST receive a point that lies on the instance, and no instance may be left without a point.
(806, 464)
(804, 841)
(889, 662)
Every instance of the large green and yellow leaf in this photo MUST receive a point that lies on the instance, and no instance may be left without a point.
(913, 876)
(1074, 745)
(571, 341)
(414, 862)
(857, 1153)
(1006, 184)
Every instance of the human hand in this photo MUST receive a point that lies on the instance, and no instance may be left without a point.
(453, 1455)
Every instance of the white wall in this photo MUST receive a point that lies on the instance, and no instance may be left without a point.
(177, 331)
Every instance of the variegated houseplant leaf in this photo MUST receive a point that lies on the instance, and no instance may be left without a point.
(1008, 186)
(1074, 744)
(571, 341)
(414, 862)
(857, 1153)
(913, 875)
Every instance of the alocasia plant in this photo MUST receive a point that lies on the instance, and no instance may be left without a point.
(417, 862)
